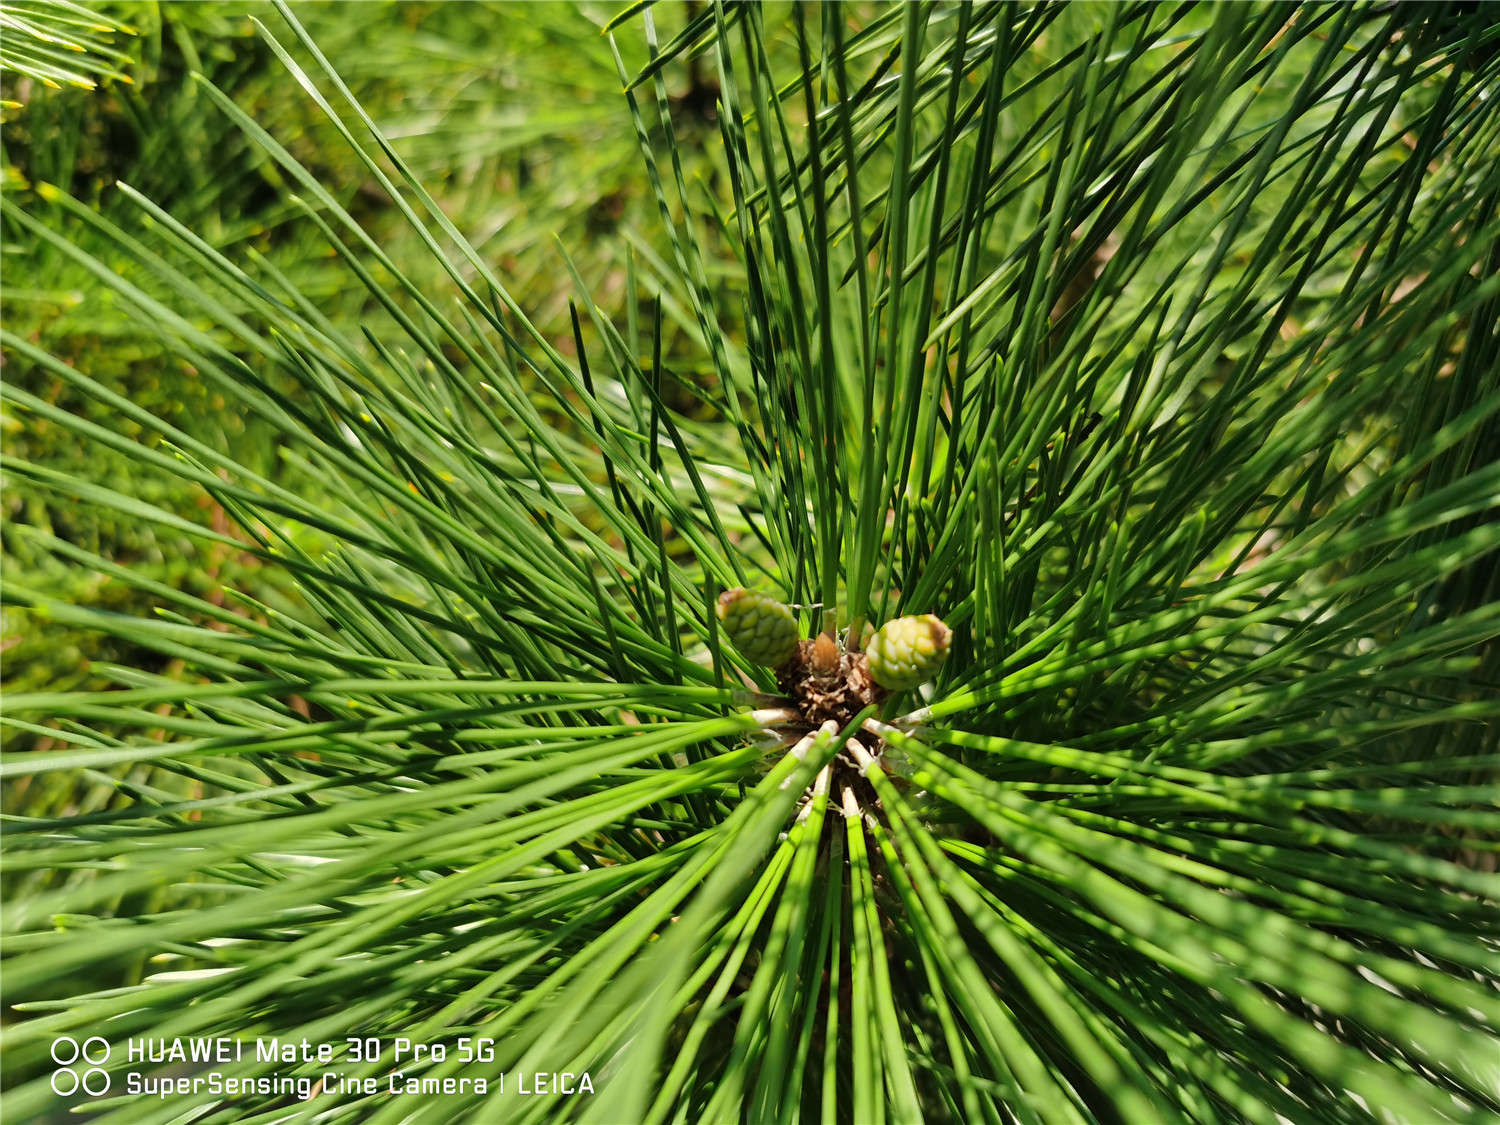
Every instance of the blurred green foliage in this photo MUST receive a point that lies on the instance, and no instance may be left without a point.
(453, 85)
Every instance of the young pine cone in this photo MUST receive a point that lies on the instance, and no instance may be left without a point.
(762, 628)
(908, 651)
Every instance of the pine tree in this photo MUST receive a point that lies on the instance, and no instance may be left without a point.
(1153, 350)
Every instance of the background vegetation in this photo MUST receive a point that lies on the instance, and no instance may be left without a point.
(388, 398)
(523, 150)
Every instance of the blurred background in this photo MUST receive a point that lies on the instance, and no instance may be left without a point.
(453, 85)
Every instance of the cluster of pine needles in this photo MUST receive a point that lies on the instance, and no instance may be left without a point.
(1152, 347)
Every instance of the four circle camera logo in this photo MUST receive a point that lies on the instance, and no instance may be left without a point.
(67, 1051)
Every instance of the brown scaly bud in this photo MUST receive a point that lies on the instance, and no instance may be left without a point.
(823, 661)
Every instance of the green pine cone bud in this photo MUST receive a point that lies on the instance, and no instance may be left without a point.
(760, 626)
(908, 651)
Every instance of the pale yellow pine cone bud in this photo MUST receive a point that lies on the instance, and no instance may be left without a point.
(908, 651)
